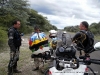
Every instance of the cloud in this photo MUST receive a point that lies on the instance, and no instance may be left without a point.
(62, 13)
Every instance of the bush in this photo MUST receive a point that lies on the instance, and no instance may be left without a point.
(26, 29)
(3, 37)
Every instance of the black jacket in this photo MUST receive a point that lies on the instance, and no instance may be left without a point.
(14, 38)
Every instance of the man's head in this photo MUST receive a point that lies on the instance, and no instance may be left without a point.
(36, 29)
(84, 25)
(16, 24)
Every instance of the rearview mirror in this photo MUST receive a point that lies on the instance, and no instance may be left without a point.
(22, 34)
(97, 46)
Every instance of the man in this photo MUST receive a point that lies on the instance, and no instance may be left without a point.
(37, 40)
(84, 38)
(14, 42)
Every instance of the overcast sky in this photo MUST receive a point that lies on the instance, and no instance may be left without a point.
(62, 13)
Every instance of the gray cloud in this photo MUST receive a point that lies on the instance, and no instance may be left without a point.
(44, 9)
(68, 12)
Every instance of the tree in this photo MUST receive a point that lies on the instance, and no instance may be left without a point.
(39, 20)
(18, 9)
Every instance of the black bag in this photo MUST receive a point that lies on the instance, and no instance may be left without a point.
(90, 38)
(68, 52)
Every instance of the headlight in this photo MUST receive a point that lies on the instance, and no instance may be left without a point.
(61, 64)
(61, 49)
(68, 49)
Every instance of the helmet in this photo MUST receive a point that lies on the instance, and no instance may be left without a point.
(53, 31)
(64, 32)
(97, 46)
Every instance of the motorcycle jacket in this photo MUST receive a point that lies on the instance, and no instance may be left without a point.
(79, 39)
(83, 41)
(14, 38)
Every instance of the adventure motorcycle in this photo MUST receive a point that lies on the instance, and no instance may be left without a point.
(66, 63)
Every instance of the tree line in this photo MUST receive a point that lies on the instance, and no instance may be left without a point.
(93, 27)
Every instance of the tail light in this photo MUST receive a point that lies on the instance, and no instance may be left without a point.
(50, 73)
(86, 69)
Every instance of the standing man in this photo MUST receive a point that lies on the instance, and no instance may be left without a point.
(14, 42)
(37, 40)
(84, 38)
(36, 36)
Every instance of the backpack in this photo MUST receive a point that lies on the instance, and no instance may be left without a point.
(90, 38)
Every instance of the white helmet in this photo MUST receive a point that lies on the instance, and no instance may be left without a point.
(53, 31)
(97, 46)
(64, 32)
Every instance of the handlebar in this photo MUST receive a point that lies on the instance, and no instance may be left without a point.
(95, 62)
(89, 60)
(74, 63)
(92, 61)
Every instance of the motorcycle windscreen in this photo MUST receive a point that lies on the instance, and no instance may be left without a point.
(63, 38)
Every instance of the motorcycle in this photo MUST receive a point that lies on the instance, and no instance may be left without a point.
(66, 63)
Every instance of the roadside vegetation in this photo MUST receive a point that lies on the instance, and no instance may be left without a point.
(11, 10)
(94, 28)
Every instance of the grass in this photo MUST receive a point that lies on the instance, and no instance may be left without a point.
(3, 38)
(4, 59)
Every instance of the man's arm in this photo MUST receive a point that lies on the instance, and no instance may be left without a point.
(10, 39)
(76, 37)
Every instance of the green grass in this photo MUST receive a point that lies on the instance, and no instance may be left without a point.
(3, 36)
(25, 59)
(3, 39)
